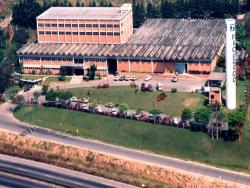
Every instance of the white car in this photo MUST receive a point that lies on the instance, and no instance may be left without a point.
(159, 86)
(85, 100)
(175, 121)
(84, 107)
(73, 99)
(114, 111)
(116, 78)
(127, 78)
(175, 79)
(148, 77)
(133, 78)
(98, 109)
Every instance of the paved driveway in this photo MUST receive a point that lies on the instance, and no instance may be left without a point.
(186, 85)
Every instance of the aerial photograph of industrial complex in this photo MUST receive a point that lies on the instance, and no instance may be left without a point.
(125, 93)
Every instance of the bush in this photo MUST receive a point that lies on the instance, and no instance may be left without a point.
(45, 89)
(11, 92)
(155, 112)
(202, 116)
(91, 72)
(186, 114)
(19, 99)
(215, 107)
(123, 107)
(62, 78)
(174, 90)
(98, 75)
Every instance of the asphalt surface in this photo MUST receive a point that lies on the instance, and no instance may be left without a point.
(8, 123)
(185, 85)
(73, 178)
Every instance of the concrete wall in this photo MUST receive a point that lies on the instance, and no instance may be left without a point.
(145, 66)
(202, 67)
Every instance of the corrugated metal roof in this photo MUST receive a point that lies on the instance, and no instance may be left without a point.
(170, 39)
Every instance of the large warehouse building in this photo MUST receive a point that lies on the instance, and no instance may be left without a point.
(189, 46)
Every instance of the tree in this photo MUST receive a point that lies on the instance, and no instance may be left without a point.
(166, 9)
(247, 25)
(123, 108)
(45, 89)
(235, 7)
(29, 10)
(202, 116)
(65, 95)
(236, 121)
(186, 115)
(152, 11)
(20, 37)
(19, 99)
(11, 92)
(51, 95)
(91, 72)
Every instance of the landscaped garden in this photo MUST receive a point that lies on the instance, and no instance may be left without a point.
(31, 77)
(172, 105)
(49, 80)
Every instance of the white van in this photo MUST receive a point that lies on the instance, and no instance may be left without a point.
(159, 86)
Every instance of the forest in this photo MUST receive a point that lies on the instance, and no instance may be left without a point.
(30, 9)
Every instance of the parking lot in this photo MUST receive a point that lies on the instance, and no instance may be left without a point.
(185, 85)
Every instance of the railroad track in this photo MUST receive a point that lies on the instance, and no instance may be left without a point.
(51, 177)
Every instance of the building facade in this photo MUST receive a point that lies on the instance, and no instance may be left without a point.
(92, 25)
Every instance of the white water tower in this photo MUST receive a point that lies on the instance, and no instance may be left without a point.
(230, 52)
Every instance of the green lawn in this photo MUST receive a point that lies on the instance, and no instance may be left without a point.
(174, 104)
(55, 80)
(47, 81)
(32, 77)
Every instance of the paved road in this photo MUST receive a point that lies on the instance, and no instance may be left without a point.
(8, 123)
(70, 177)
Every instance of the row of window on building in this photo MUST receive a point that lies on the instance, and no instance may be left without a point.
(40, 68)
(77, 33)
(31, 58)
(76, 60)
(78, 25)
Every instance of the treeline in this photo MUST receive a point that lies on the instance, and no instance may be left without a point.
(26, 11)
(188, 9)
(8, 59)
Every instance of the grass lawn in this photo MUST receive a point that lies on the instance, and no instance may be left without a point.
(55, 80)
(173, 105)
(32, 77)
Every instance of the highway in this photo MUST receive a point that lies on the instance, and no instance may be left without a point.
(8, 123)
(26, 173)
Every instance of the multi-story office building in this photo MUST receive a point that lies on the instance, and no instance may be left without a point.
(98, 25)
